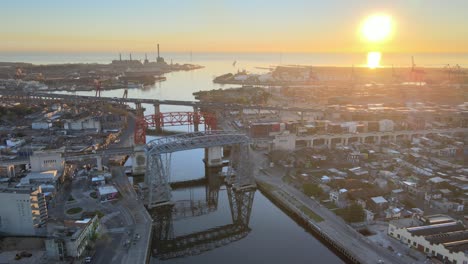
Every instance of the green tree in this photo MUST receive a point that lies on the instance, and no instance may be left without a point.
(352, 214)
(311, 189)
(355, 213)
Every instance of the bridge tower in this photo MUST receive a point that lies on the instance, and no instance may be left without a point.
(140, 125)
(196, 118)
(213, 185)
(166, 245)
(241, 167)
(158, 160)
(157, 120)
(240, 203)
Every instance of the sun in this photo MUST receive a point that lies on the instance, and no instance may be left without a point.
(377, 28)
(373, 59)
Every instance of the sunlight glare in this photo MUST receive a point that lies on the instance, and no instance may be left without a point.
(377, 28)
(373, 59)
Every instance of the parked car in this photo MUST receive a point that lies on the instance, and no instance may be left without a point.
(25, 254)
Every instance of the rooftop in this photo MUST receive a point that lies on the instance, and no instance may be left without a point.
(436, 229)
(379, 200)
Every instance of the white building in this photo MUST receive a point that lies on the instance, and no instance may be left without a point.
(285, 141)
(47, 160)
(107, 193)
(386, 125)
(339, 197)
(83, 123)
(22, 211)
(43, 177)
(41, 124)
(15, 142)
(71, 239)
(445, 240)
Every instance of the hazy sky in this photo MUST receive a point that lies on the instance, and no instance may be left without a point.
(232, 26)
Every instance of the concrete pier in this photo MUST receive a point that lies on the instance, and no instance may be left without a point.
(214, 156)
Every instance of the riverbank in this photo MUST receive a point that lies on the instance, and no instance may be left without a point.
(333, 231)
(307, 219)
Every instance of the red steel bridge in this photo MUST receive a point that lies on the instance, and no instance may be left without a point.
(160, 120)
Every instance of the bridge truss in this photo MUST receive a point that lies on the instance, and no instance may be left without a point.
(157, 175)
(166, 245)
(161, 120)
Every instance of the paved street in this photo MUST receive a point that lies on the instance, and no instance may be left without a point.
(135, 212)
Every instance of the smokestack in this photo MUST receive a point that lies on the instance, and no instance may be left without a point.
(158, 50)
(120, 56)
(130, 56)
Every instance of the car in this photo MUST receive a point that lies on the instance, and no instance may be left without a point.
(25, 254)
(88, 260)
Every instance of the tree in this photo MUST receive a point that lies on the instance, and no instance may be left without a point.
(311, 189)
(352, 214)
(355, 213)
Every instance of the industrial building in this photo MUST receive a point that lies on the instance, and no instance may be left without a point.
(437, 236)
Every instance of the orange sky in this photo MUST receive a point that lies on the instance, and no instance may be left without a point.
(228, 26)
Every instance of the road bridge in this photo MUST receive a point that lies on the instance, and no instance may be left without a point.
(23, 96)
(372, 137)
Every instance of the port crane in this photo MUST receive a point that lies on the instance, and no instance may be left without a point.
(416, 75)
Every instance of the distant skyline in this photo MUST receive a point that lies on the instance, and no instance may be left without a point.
(229, 26)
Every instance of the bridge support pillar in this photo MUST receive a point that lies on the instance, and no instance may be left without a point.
(157, 117)
(346, 141)
(378, 140)
(99, 163)
(329, 143)
(138, 160)
(214, 156)
(196, 118)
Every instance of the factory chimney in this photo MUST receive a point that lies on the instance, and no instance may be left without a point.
(120, 56)
(130, 57)
(158, 50)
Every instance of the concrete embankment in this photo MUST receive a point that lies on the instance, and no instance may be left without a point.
(305, 221)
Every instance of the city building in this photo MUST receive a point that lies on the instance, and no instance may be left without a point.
(41, 124)
(46, 160)
(71, 238)
(436, 236)
(44, 177)
(339, 198)
(107, 193)
(83, 123)
(22, 211)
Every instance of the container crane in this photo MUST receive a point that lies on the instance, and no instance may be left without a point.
(416, 75)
